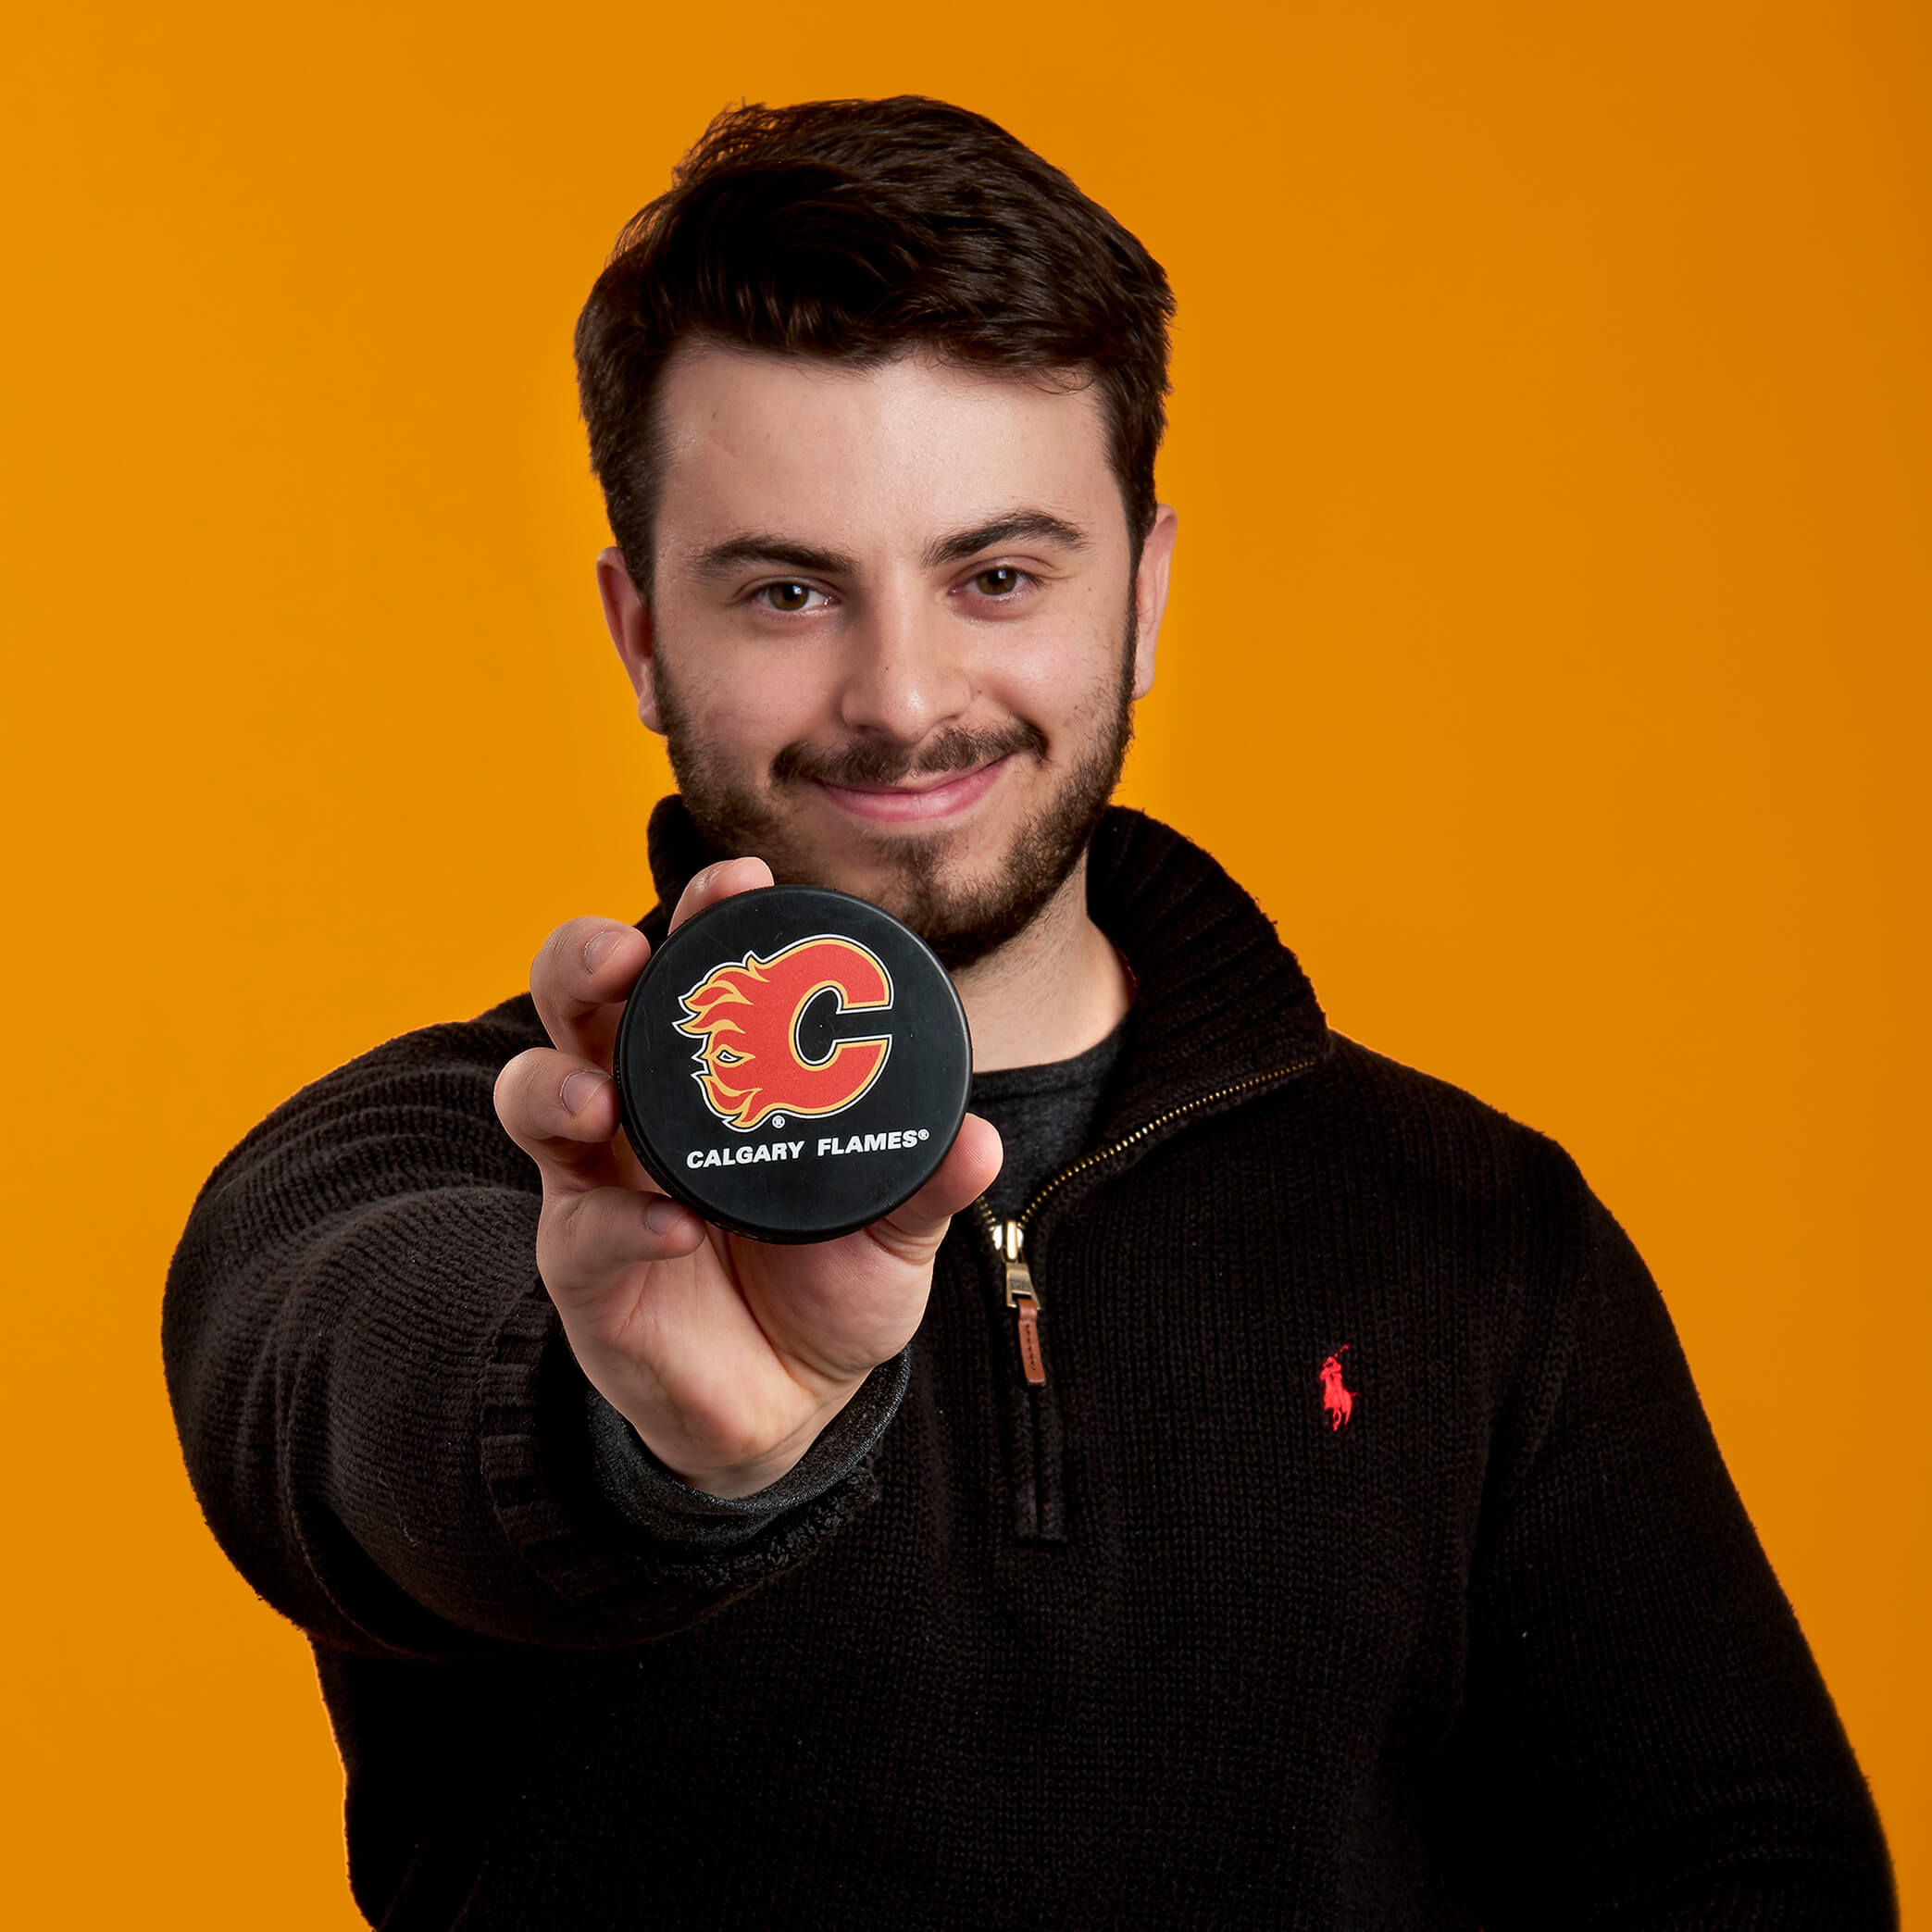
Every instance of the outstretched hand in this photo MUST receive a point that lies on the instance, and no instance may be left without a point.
(728, 1356)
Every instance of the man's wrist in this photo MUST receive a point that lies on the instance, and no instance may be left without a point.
(657, 1500)
(732, 1482)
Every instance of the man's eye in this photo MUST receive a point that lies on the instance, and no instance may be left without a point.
(788, 596)
(1000, 581)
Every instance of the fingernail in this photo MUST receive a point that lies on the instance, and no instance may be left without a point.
(663, 1217)
(577, 1091)
(596, 948)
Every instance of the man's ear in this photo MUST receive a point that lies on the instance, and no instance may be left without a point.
(628, 620)
(1150, 593)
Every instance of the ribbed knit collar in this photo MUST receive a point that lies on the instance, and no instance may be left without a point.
(1218, 1000)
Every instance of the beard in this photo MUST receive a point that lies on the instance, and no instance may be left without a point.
(922, 881)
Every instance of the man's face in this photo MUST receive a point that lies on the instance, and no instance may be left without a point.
(895, 631)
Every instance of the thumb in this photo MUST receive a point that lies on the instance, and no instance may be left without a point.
(913, 1231)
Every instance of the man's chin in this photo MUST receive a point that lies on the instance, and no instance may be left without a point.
(874, 863)
(922, 880)
(966, 919)
(919, 879)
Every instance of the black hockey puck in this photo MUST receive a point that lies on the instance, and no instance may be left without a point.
(793, 1064)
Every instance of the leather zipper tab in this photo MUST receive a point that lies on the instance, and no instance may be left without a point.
(1023, 1297)
(1026, 1307)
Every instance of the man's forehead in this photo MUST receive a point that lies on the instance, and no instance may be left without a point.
(897, 456)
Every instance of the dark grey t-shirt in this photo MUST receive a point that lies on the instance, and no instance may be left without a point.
(1045, 1117)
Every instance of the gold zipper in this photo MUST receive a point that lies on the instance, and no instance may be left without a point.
(1022, 1297)
(1009, 1237)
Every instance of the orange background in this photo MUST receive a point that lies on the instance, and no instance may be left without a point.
(1547, 653)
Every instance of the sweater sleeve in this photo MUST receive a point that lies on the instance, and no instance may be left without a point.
(1656, 1745)
(379, 1412)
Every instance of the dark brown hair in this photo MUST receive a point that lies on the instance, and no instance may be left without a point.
(856, 231)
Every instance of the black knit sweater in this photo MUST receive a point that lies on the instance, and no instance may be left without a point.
(1364, 1560)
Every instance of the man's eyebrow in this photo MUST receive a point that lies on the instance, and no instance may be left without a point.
(756, 547)
(1020, 527)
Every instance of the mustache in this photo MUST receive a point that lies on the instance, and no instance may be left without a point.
(879, 762)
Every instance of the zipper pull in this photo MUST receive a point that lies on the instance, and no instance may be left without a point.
(1023, 1297)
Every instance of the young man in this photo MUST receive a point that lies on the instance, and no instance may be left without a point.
(1348, 1546)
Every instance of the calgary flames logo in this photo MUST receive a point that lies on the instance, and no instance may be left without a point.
(746, 1020)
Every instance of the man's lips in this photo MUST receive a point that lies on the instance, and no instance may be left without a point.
(916, 798)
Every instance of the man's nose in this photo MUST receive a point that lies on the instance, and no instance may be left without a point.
(905, 669)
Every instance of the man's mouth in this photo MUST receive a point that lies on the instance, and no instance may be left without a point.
(916, 797)
(888, 784)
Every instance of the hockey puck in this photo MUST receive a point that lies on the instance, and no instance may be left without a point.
(793, 1064)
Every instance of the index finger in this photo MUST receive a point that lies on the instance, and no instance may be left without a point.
(582, 978)
(724, 880)
(579, 980)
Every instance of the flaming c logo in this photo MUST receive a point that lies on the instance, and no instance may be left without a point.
(746, 1019)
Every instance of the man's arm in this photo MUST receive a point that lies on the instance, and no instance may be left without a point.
(379, 1408)
(434, 1388)
(1652, 1742)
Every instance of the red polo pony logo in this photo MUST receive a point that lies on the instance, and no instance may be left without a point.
(1338, 1403)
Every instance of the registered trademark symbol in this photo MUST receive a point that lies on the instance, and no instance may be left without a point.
(777, 1120)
